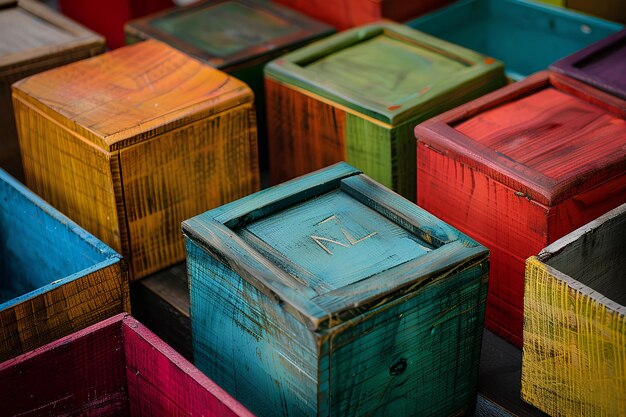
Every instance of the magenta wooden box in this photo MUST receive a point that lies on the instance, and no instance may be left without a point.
(602, 64)
(114, 368)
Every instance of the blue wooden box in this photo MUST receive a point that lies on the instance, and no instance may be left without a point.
(331, 295)
(55, 278)
(526, 36)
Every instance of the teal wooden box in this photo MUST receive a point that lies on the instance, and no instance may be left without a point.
(330, 295)
(525, 35)
(55, 278)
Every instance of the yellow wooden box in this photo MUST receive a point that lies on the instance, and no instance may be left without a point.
(574, 361)
(130, 143)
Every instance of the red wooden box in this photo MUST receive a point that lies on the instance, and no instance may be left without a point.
(109, 17)
(344, 14)
(114, 368)
(519, 168)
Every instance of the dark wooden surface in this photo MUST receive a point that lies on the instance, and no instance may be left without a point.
(161, 302)
(602, 64)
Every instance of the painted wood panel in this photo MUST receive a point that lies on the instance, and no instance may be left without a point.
(235, 36)
(345, 14)
(296, 291)
(527, 36)
(34, 39)
(602, 64)
(508, 170)
(398, 77)
(114, 368)
(109, 20)
(574, 324)
(130, 150)
(47, 289)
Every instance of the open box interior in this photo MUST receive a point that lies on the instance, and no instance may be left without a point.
(513, 31)
(114, 368)
(597, 259)
(38, 246)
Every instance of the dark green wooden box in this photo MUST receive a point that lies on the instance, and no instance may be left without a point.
(235, 36)
(330, 295)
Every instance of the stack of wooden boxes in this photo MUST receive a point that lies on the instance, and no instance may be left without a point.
(327, 294)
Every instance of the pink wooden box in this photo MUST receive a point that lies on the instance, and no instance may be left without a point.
(114, 368)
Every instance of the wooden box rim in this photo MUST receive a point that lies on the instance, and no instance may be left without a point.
(567, 65)
(84, 38)
(560, 12)
(109, 256)
(196, 110)
(287, 70)
(559, 245)
(439, 135)
(212, 231)
(309, 29)
(124, 320)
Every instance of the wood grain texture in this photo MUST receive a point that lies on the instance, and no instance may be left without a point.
(315, 297)
(114, 368)
(397, 78)
(574, 324)
(130, 151)
(602, 64)
(490, 169)
(235, 36)
(34, 39)
(525, 35)
(49, 290)
(345, 14)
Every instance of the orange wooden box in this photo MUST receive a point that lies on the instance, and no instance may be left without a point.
(130, 143)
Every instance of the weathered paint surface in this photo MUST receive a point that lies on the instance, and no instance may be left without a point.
(116, 367)
(525, 35)
(575, 322)
(35, 38)
(398, 77)
(235, 36)
(129, 150)
(331, 293)
(602, 64)
(55, 278)
(518, 169)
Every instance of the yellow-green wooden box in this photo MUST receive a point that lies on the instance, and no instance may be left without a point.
(574, 360)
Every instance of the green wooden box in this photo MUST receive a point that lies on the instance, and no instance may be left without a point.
(330, 295)
(236, 36)
(357, 95)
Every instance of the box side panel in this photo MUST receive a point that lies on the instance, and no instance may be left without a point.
(62, 310)
(68, 173)
(160, 385)
(161, 302)
(246, 342)
(341, 14)
(37, 244)
(84, 376)
(304, 134)
(181, 174)
(10, 159)
(510, 225)
(417, 355)
(574, 360)
(587, 206)
(371, 148)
